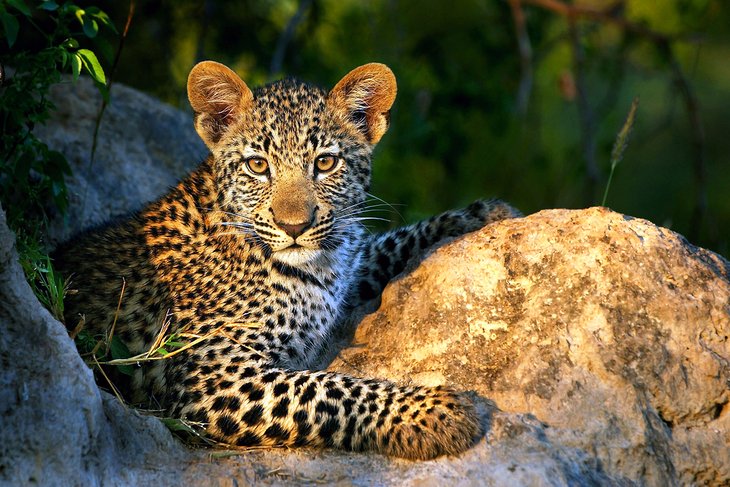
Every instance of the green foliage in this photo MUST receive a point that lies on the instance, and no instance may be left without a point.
(48, 285)
(119, 351)
(97, 350)
(43, 41)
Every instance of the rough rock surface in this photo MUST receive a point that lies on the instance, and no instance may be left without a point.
(611, 331)
(598, 343)
(143, 147)
(56, 427)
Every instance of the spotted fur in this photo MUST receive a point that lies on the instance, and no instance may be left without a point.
(265, 265)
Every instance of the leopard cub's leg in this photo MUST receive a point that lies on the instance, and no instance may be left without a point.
(247, 403)
(387, 254)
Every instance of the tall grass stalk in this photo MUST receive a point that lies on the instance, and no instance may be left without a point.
(619, 146)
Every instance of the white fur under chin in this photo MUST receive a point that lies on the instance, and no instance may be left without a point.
(298, 256)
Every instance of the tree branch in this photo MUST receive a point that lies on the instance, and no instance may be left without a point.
(525, 49)
(699, 163)
(277, 62)
(585, 113)
(607, 15)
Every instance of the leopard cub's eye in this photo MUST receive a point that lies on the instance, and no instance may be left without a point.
(326, 163)
(257, 165)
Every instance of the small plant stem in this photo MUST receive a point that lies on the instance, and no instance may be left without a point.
(608, 185)
(105, 99)
(116, 315)
(619, 146)
(111, 384)
(161, 335)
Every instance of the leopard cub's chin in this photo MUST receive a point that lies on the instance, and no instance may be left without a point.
(297, 256)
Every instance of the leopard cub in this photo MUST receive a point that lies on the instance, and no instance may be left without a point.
(261, 252)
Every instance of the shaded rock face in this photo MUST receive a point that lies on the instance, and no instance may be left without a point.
(143, 148)
(598, 344)
(611, 331)
(56, 427)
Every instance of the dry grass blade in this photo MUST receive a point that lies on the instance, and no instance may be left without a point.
(116, 315)
(161, 335)
(77, 329)
(148, 356)
(109, 381)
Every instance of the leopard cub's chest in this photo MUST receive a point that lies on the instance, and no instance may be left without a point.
(291, 309)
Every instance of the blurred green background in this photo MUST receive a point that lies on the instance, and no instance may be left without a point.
(476, 115)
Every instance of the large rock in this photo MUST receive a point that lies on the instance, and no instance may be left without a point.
(611, 331)
(599, 345)
(56, 427)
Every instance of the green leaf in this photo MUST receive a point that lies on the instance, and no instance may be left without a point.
(92, 65)
(64, 55)
(120, 351)
(176, 425)
(80, 13)
(104, 19)
(58, 160)
(75, 65)
(126, 369)
(11, 27)
(60, 195)
(23, 165)
(70, 43)
(91, 28)
(20, 6)
(49, 5)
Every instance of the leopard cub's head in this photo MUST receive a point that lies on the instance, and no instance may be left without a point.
(292, 161)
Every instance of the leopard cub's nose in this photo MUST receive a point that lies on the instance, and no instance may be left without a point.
(293, 217)
(294, 229)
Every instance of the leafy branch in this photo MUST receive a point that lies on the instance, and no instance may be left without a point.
(32, 176)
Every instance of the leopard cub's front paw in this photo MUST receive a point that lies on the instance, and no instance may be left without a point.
(435, 421)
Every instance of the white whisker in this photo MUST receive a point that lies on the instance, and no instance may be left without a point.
(243, 217)
(365, 218)
(392, 206)
(236, 224)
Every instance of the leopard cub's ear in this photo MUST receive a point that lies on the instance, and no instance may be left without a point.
(218, 97)
(366, 95)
